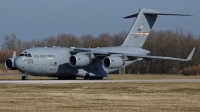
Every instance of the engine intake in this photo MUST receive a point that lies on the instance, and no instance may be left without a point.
(113, 62)
(9, 64)
(79, 60)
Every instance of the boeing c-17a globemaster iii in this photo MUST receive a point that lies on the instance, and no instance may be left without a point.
(90, 63)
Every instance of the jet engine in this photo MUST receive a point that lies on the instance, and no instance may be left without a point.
(9, 64)
(113, 62)
(79, 60)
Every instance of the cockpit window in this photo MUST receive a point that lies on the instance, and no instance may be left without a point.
(27, 55)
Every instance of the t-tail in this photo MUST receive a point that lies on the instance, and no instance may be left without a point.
(141, 28)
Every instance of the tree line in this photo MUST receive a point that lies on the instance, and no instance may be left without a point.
(161, 43)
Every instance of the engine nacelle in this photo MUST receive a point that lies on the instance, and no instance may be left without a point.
(79, 60)
(113, 62)
(9, 64)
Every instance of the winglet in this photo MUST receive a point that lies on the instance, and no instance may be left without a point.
(14, 54)
(190, 55)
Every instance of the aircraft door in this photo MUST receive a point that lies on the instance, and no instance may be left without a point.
(44, 67)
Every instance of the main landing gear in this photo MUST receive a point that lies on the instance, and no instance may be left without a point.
(88, 77)
(25, 76)
(67, 78)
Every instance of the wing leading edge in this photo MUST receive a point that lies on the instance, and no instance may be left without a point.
(100, 53)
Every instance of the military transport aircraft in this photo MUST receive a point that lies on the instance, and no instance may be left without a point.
(90, 63)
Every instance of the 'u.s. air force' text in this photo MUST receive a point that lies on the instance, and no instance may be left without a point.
(44, 56)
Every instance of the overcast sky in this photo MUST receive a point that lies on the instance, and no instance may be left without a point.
(38, 19)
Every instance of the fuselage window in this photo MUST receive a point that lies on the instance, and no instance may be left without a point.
(26, 55)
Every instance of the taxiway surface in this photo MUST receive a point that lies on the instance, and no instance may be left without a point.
(98, 81)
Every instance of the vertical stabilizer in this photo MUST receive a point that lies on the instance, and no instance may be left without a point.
(141, 27)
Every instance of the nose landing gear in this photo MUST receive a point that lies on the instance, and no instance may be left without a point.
(25, 76)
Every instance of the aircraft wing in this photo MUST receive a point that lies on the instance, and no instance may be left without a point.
(164, 58)
(134, 56)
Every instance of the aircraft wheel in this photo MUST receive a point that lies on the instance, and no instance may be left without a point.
(67, 78)
(60, 78)
(72, 77)
(96, 78)
(99, 78)
(24, 77)
(92, 78)
(87, 77)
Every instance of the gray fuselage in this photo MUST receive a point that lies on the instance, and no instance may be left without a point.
(54, 61)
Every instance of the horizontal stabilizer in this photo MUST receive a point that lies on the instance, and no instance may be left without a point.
(135, 15)
(131, 16)
(167, 14)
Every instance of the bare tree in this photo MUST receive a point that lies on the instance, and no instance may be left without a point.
(67, 40)
(104, 40)
(118, 39)
(88, 41)
(50, 41)
(11, 42)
